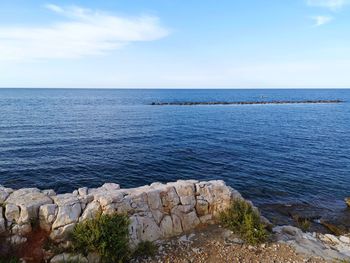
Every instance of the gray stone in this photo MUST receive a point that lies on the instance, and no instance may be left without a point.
(190, 221)
(169, 198)
(21, 230)
(16, 240)
(67, 257)
(67, 214)
(65, 199)
(186, 192)
(11, 213)
(325, 246)
(111, 186)
(202, 207)
(61, 234)
(344, 239)
(154, 201)
(166, 226)
(2, 221)
(49, 192)
(29, 200)
(177, 227)
(4, 193)
(83, 191)
(91, 211)
(47, 215)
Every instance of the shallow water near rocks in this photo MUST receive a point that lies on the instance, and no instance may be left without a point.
(273, 154)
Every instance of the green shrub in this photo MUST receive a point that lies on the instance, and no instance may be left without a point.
(304, 224)
(145, 249)
(9, 260)
(107, 235)
(242, 219)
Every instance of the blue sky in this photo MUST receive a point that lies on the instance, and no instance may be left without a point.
(174, 43)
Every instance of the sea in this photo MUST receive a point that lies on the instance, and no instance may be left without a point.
(281, 156)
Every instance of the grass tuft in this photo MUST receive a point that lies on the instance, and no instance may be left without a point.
(107, 235)
(242, 219)
(145, 249)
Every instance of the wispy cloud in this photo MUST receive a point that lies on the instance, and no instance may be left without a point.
(321, 20)
(333, 5)
(85, 32)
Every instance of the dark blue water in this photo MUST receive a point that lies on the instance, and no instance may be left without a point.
(64, 139)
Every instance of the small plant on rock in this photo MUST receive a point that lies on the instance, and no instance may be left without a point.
(243, 219)
(145, 249)
(107, 235)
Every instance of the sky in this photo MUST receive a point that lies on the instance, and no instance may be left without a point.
(175, 43)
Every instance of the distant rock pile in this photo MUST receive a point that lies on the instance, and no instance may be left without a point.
(193, 103)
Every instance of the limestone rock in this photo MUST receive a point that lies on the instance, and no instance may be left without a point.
(202, 207)
(2, 221)
(111, 186)
(153, 198)
(186, 192)
(67, 257)
(150, 230)
(69, 210)
(344, 239)
(4, 193)
(166, 226)
(109, 197)
(326, 246)
(91, 211)
(29, 200)
(21, 230)
(177, 227)
(190, 221)
(61, 234)
(67, 214)
(169, 198)
(156, 211)
(11, 213)
(187, 215)
(16, 240)
(49, 192)
(83, 191)
(47, 215)
(206, 219)
(65, 199)
(143, 228)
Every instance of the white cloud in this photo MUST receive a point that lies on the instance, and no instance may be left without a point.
(321, 20)
(330, 4)
(85, 32)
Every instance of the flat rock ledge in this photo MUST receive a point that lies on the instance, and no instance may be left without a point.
(326, 246)
(156, 211)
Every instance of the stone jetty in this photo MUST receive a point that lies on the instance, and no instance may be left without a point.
(194, 103)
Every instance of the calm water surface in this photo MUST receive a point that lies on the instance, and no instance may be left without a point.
(65, 139)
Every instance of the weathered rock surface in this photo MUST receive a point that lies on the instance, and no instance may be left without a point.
(156, 211)
(29, 200)
(326, 246)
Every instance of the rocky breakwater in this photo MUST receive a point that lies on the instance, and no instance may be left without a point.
(156, 211)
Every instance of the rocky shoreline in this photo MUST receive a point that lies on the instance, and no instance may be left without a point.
(30, 217)
(193, 103)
